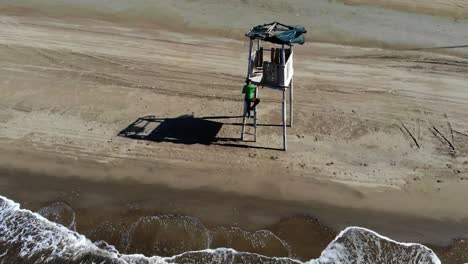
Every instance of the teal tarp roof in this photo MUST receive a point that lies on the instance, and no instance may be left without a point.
(278, 33)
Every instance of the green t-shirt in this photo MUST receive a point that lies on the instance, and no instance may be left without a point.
(249, 91)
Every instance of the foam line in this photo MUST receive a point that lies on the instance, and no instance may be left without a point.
(35, 235)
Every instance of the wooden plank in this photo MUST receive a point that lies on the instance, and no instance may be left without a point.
(257, 79)
(272, 55)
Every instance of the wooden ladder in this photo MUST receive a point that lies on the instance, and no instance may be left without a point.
(248, 115)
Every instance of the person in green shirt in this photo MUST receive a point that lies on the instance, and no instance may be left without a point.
(250, 96)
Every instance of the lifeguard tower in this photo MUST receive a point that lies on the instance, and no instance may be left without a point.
(277, 73)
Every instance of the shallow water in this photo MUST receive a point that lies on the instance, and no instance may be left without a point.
(27, 237)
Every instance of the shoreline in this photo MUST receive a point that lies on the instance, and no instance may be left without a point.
(102, 250)
(96, 206)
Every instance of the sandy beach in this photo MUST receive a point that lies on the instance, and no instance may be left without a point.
(380, 137)
(456, 9)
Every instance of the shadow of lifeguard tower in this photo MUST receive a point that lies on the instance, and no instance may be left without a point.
(185, 129)
(277, 73)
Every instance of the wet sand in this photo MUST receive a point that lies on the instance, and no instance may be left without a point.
(106, 210)
(71, 86)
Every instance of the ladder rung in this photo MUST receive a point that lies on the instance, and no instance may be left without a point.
(252, 134)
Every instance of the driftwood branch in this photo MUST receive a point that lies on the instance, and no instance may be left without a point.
(409, 133)
(450, 128)
(461, 133)
(437, 133)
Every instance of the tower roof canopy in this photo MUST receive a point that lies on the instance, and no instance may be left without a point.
(278, 33)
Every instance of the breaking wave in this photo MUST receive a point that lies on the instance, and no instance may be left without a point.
(27, 237)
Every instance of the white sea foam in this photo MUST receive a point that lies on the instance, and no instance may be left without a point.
(34, 234)
(371, 247)
(29, 235)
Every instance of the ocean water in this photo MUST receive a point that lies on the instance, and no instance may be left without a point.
(28, 237)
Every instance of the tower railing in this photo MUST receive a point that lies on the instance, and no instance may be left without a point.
(273, 73)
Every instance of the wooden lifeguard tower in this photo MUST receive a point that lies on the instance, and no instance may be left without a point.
(277, 73)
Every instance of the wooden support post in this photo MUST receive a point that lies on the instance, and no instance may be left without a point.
(283, 67)
(255, 116)
(249, 70)
(291, 94)
(257, 55)
(291, 103)
(272, 54)
(285, 143)
(283, 75)
(283, 55)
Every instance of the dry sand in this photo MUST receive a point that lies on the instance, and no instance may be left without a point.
(70, 86)
(326, 20)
